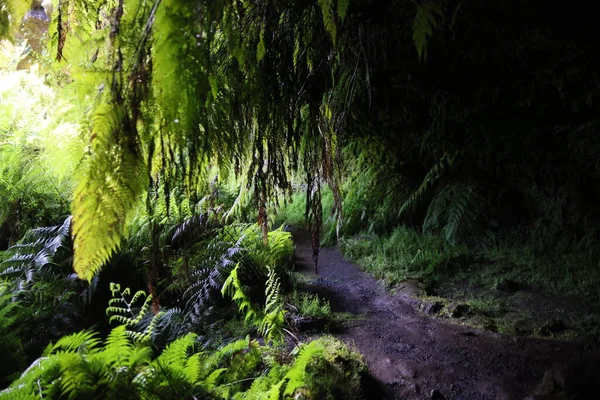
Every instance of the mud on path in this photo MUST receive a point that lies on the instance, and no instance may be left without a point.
(420, 357)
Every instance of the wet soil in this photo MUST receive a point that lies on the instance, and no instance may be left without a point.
(415, 356)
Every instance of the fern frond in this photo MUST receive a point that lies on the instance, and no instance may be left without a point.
(82, 342)
(261, 50)
(438, 169)
(107, 190)
(328, 18)
(456, 211)
(342, 8)
(447, 209)
(271, 325)
(426, 20)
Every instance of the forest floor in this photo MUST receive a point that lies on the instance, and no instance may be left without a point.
(414, 355)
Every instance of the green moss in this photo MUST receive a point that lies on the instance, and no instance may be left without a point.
(323, 369)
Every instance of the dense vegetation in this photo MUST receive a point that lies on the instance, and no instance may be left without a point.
(152, 153)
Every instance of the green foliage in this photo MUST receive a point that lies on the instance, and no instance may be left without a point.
(329, 18)
(11, 13)
(426, 20)
(41, 250)
(10, 343)
(323, 369)
(403, 254)
(270, 320)
(435, 173)
(233, 288)
(83, 366)
(38, 153)
(78, 367)
(447, 209)
(105, 194)
(175, 105)
(311, 305)
(121, 310)
(342, 8)
(37, 272)
(271, 325)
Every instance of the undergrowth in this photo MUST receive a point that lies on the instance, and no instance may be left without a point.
(311, 305)
(82, 366)
(402, 255)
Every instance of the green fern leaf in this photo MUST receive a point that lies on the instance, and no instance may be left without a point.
(106, 192)
(342, 8)
(261, 50)
(432, 176)
(426, 20)
(328, 18)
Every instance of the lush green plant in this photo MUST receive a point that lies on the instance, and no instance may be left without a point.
(323, 369)
(83, 366)
(38, 274)
(311, 305)
(403, 254)
(10, 343)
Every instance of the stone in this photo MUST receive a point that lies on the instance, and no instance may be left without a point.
(432, 307)
(553, 326)
(456, 310)
(522, 327)
(436, 395)
(303, 324)
(411, 288)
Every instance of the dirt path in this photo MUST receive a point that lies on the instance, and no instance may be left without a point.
(420, 357)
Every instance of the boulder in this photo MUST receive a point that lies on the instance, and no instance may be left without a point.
(456, 310)
(432, 307)
(553, 326)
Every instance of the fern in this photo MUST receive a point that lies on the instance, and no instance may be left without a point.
(10, 343)
(269, 320)
(271, 325)
(104, 194)
(36, 255)
(456, 213)
(342, 8)
(11, 13)
(426, 20)
(125, 312)
(447, 209)
(329, 18)
(261, 49)
(82, 366)
(316, 371)
(233, 288)
(434, 174)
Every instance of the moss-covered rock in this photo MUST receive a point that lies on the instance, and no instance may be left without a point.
(324, 369)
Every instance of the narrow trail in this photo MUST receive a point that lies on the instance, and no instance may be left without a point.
(420, 357)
